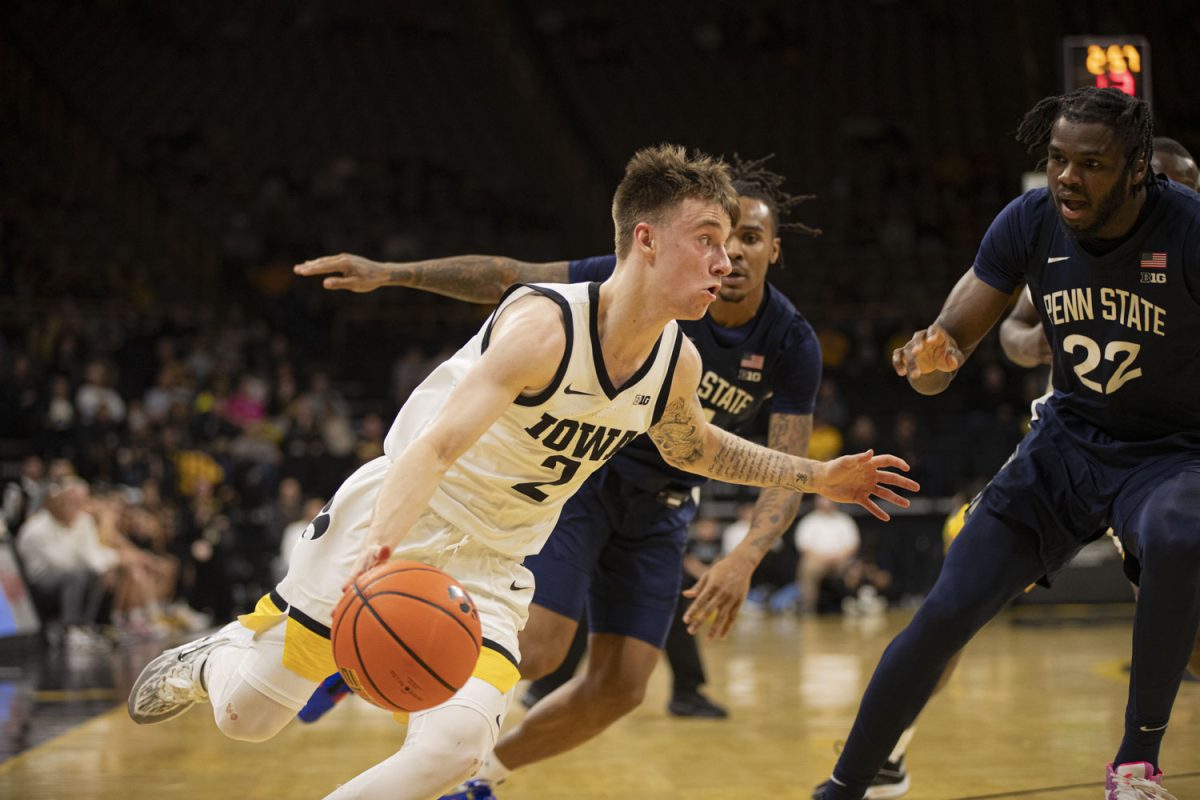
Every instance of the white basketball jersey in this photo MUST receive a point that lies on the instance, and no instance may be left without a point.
(509, 488)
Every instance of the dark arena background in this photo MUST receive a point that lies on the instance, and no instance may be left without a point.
(164, 165)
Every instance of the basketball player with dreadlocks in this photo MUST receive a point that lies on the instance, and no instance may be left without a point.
(618, 546)
(1025, 344)
(1111, 255)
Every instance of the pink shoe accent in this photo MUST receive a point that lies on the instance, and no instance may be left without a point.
(1138, 776)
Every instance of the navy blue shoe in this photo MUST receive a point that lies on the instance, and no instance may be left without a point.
(331, 691)
(471, 790)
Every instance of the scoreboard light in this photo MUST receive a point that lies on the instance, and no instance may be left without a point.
(1118, 62)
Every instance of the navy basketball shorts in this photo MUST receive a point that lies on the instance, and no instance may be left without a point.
(1069, 482)
(618, 550)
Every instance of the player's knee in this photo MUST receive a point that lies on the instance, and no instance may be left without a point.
(1166, 540)
(618, 692)
(539, 661)
(544, 642)
(252, 720)
(1166, 524)
(542, 653)
(943, 622)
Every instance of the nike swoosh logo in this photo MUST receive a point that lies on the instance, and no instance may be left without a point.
(513, 587)
(1144, 729)
(569, 390)
(1056, 258)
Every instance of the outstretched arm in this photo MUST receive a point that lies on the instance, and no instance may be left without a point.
(721, 590)
(687, 441)
(475, 279)
(933, 356)
(527, 343)
(1022, 337)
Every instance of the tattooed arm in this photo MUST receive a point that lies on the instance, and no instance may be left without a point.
(475, 279)
(776, 508)
(720, 591)
(687, 441)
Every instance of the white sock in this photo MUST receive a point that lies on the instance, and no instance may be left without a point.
(902, 745)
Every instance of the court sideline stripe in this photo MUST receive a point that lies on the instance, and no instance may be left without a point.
(15, 760)
(1062, 788)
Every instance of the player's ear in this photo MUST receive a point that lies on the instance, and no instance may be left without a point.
(1139, 171)
(644, 239)
(776, 250)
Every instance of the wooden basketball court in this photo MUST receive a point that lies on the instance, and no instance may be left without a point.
(1035, 711)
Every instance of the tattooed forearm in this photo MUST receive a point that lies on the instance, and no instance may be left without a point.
(739, 461)
(475, 279)
(685, 441)
(773, 513)
(678, 435)
(777, 508)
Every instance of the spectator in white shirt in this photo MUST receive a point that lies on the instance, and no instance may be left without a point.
(828, 541)
(96, 392)
(64, 559)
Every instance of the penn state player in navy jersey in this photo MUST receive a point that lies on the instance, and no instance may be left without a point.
(1112, 259)
(1025, 344)
(619, 543)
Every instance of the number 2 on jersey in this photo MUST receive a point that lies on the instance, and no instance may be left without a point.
(1122, 354)
(531, 490)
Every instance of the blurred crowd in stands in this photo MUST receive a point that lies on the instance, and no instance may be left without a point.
(184, 450)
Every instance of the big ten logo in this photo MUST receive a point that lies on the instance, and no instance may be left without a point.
(641, 400)
(1154, 277)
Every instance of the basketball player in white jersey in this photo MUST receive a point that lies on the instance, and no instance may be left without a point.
(479, 462)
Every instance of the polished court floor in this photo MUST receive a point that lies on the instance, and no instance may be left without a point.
(1034, 712)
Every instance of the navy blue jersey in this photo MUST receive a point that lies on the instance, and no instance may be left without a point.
(773, 358)
(1124, 326)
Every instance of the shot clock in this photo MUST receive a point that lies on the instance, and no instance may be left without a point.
(1119, 62)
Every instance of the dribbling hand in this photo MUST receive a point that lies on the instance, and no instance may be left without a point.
(371, 556)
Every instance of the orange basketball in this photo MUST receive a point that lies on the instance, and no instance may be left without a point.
(405, 636)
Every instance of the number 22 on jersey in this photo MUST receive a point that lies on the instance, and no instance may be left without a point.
(1123, 354)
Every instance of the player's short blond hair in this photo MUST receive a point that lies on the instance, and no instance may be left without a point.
(659, 178)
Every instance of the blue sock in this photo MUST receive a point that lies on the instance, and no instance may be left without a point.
(326, 696)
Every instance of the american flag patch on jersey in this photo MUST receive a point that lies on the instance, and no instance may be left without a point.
(752, 361)
(1154, 260)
